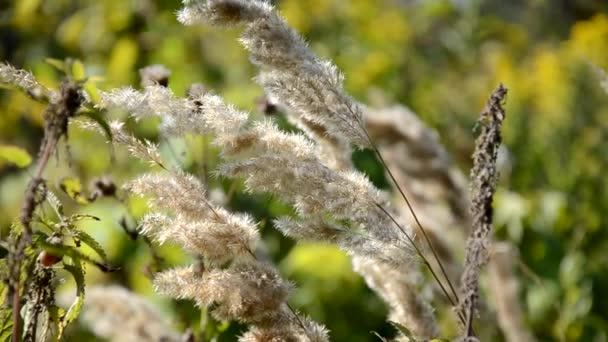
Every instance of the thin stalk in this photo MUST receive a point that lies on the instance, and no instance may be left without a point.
(411, 209)
(297, 318)
(205, 165)
(424, 260)
(419, 252)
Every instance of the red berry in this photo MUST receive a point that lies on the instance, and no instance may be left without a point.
(47, 259)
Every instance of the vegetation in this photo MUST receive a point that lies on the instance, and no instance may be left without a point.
(300, 213)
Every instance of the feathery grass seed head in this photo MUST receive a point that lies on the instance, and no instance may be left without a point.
(117, 314)
(248, 292)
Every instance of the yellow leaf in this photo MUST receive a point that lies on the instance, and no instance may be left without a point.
(73, 188)
(25, 12)
(70, 31)
(91, 89)
(122, 60)
(78, 72)
(15, 155)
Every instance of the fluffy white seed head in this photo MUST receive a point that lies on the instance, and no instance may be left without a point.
(154, 100)
(290, 71)
(265, 138)
(140, 149)
(274, 45)
(250, 293)
(114, 313)
(156, 74)
(217, 117)
(192, 221)
(25, 81)
(312, 188)
(217, 242)
(335, 152)
(203, 114)
(222, 12)
(399, 288)
(179, 193)
(286, 165)
(313, 229)
(285, 327)
(396, 252)
(318, 98)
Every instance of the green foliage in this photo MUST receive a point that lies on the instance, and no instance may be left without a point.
(6, 326)
(76, 270)
(381, 338)
(15, 155)
(80, 236)
(66, 228)
(72, 187)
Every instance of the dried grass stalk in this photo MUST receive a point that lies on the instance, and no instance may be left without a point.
(483, 185)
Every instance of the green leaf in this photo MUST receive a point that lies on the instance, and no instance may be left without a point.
(73, 188)
(82, 217)
(96, 116)
(15, 155)
(55, 202)
(57, 63)
(55, 315)
(6, 326)
(91, 89)
(78, 273)
(405, 331)
(223, 326)
(77, 70)
(91, 242)
(380, 337)
(39, 236)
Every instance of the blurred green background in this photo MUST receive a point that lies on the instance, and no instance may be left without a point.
(441, 58)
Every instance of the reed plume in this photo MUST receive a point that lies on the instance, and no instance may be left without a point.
(231, 277)
(115, 313)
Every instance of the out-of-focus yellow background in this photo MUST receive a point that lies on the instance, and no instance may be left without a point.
(441, 58)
